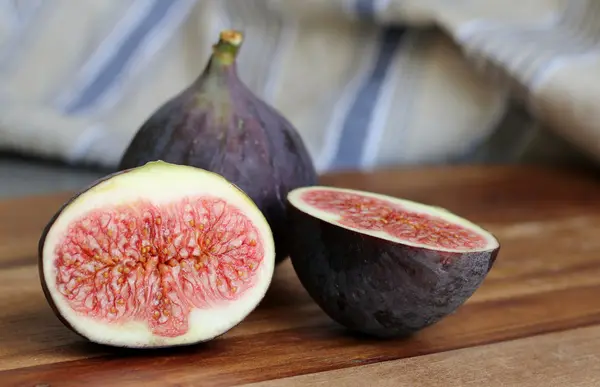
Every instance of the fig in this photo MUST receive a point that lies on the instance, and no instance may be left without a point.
(383, 266)
(217, 123)
(159, 255)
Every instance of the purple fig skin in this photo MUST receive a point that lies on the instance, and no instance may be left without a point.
(220, 125)
(377, 287)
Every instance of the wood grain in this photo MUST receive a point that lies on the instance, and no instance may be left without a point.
(554, 360)
(546, 280)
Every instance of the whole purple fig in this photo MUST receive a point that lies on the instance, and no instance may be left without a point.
(218, 124)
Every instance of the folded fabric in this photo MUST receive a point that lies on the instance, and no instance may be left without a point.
(368, 83)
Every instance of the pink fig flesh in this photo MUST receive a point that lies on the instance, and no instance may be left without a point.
(377, 214)
(159, 255)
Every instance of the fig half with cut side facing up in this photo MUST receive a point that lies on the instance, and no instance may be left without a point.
(217, 123)
(156, 256)
(381, 265)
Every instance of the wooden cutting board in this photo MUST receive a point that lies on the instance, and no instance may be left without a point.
(534, 322)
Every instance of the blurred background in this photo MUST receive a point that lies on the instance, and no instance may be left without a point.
(367, 83)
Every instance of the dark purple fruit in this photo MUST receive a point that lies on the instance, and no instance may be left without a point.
(218, 124)
(156, 256)
(381, 265)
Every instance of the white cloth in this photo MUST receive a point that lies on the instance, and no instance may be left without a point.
(367, 83)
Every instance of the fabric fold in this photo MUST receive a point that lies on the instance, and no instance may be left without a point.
(367, 83)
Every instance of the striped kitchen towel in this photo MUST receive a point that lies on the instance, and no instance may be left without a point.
(368, 83)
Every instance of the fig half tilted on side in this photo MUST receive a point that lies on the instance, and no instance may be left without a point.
(156, 256)
(220, 125)
(385, 266)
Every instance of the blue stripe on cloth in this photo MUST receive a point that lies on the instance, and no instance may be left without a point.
(540, 47)
(365, 8)
(112, 69)
(356, 124)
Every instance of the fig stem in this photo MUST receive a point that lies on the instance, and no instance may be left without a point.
(226, 49)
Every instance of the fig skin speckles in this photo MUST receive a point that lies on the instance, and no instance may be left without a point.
(362, 274)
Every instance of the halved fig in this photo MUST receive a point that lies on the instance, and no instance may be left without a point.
(156, 256)
(384, 266)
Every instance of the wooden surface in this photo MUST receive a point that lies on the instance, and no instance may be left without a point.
(534, 322)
